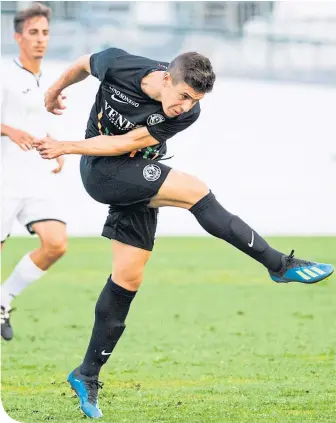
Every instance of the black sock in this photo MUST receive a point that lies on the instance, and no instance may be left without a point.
(110, 314)
(222, 224)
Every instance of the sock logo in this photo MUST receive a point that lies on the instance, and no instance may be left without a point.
(105, 353)
(252, 241)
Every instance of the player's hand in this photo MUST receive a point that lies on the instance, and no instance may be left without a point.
(54, 103)
(22, 139)
(60, 161)
(49, 148)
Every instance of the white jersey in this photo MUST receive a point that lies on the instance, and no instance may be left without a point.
(22, 107)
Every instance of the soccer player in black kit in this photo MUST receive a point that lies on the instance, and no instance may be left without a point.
(140, 104)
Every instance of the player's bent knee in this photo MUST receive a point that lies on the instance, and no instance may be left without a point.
(55, 248)
(128, 265)
(128, 280)
(198, 190)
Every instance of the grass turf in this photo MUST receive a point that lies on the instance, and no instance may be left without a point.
(209, 337)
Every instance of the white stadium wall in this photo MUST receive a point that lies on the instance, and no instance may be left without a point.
(267, 150)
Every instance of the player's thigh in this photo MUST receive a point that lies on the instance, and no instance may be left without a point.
(10, 208)
(128, 264)
(123, 181)
(180, 190)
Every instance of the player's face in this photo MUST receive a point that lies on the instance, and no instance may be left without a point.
(33, 40)
(178, 98)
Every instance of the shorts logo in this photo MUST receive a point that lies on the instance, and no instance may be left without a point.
(155, 119)
(152, 172)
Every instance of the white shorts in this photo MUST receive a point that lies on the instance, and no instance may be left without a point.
(27, 211)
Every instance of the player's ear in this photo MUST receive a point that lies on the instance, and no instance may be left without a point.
(167, 79)
(17, 37)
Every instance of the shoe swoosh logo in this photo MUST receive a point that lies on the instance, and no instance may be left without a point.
(105, 353)
(252, 241)
(118, 99)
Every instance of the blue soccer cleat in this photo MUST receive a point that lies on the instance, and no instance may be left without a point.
(86, 389)
(296, 270)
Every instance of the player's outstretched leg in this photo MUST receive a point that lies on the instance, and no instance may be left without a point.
(110, 314)
(282, 268)
(182, 190)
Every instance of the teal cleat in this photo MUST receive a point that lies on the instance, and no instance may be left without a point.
(296, 270)
(86, 389)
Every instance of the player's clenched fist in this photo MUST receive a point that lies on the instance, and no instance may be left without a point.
(53, 101)
(49, 148)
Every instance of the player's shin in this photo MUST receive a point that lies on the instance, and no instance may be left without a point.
(222, 224)
(24, 274)
(110, 314)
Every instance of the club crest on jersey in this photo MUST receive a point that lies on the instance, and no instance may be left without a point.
(152, 172)
(155, 119)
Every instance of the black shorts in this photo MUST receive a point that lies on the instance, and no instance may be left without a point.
(127, 185)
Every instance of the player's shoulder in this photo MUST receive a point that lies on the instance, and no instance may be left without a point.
(8, 66)
(9, 72)
(131, 60)
(118, 61)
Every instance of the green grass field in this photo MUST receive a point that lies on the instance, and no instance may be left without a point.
(210, 338)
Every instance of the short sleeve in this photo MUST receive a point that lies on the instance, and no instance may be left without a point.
(101, 62)
(168, 128)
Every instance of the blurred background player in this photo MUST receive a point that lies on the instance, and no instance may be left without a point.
(27, 193)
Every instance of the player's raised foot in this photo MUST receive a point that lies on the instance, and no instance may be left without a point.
(86, 388)
(6, 328)
(296, 270)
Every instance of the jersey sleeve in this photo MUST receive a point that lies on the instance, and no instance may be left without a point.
(168, 128)
(101, 62)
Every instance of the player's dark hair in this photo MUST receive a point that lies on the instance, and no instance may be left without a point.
(36, 10)
(194, 69)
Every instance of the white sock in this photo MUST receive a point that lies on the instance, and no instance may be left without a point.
(24, 273)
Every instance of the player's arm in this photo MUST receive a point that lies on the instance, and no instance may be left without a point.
(102, 145)
(97, 64)
(77, 72)
(105, 145)
(20, 138)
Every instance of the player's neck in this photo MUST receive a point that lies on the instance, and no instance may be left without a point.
(151, 85)
(32, 65)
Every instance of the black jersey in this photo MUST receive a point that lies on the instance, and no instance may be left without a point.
(121, 105)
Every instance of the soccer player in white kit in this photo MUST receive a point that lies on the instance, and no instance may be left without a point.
(27, 182)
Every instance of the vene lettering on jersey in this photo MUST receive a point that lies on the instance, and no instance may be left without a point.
(117, 119)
